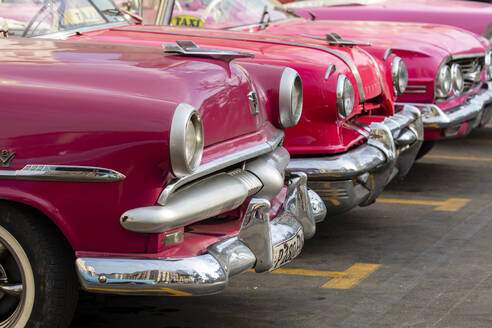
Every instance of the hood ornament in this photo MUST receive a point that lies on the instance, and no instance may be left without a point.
(334, 39)
(190, 48)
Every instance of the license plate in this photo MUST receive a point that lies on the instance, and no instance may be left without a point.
(285, 252)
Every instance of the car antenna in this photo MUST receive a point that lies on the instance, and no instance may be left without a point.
(264, 24)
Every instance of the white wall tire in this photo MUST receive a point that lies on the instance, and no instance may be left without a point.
(22, 312)
(37, 267)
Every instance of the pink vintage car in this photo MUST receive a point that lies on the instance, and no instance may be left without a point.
(350, 141)
(136, 189)
(339, 149)
(449, 69)
(472, 16)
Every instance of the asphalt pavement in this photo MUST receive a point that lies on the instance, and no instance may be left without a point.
(420, 257)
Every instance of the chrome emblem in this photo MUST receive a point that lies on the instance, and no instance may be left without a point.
(6, 158)
(253, 103)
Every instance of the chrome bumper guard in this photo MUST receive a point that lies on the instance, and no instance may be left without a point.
(261, 244)
(476, 108)
(358, 177)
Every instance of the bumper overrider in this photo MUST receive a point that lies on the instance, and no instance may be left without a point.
(476, 110)
(358, 176)
(262, 244)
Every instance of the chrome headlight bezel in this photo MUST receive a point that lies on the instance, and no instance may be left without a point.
(186, 140)
(443, 81)
(345, 96)
(457, 79)
(399, 75)
(290, 98)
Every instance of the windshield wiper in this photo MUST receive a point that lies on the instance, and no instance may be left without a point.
(287, 11)
(121, 12)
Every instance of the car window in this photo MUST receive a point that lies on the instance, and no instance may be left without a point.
(33, 18)
(226, 13)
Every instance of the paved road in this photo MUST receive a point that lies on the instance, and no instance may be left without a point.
(420, 257)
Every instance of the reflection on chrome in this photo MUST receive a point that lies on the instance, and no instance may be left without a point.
(262, 244)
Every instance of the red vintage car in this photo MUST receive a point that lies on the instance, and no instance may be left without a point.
(449, 70)
(350, 141)
(144, 189)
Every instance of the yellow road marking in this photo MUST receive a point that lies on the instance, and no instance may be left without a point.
(450, 205)
(461, 158)
(341, 280)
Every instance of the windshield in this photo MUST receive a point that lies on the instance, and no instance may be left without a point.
(32, 18)
(226, 13)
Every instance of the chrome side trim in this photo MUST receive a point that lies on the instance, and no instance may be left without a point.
(331, 69)
(222, 163)
(190, 48)
(63, 173)
(387, 53)
(338, 54)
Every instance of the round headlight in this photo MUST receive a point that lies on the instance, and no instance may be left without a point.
(443, 82)
(186, 140)
(345, 96)
(488, 64)
(290, 98)
(399, 75)
(458, 82)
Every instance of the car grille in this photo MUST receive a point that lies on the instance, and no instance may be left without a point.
(471, 68)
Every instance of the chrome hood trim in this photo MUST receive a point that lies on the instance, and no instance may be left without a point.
(336, 53)
(63, 173)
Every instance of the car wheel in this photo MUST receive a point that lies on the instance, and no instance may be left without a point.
(426, 147)
(38, 286)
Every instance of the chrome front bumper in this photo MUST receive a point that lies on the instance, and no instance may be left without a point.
(477, 109)
(358, 177)
(262, 244)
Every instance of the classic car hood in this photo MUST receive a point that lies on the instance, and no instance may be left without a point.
(427, 39)
(369, 77)
(145, 75)
(469, 15)
(310, 57)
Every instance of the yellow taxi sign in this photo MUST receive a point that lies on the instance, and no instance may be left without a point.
(78, 16)
(187, 20)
